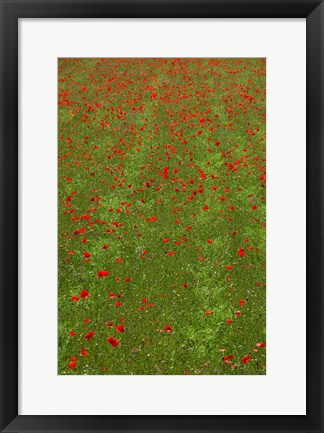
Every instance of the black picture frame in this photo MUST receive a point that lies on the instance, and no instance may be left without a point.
(11, 11)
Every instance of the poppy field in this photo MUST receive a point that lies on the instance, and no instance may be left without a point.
(161, 216)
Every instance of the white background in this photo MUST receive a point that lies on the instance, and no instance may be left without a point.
(283, 389)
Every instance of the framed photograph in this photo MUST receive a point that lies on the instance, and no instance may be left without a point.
(161, 216)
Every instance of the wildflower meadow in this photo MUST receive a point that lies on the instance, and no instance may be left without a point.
(162, 216)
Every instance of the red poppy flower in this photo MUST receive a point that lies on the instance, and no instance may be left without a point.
(227, 359)
(207, 312)
(229, 321)
(229, 267)
(118, 304)
(86, 255)
(119, 260)
(72, 363)
(127, 280)
(103, 273)
(84, 352)
(110, 324)
(205, 208)
(168, 328)
(260, 345)
(72, 334)
(242, 302)
(241, 252)
(246, 359)
(75, 298)
(89, 335)
(84, 294)
(254, 207)
(113, 342)
(120, 328)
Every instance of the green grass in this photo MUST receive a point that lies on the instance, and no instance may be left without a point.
(121, 123)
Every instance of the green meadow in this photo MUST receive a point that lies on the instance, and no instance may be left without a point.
(162, 216)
